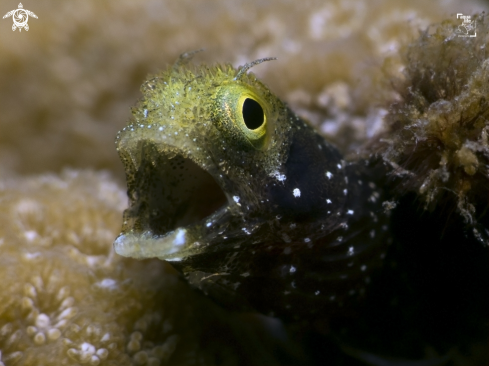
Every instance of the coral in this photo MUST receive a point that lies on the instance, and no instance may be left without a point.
(66, 87)
(436, 137)
(53, 272)
(68, 83)
(66, 296)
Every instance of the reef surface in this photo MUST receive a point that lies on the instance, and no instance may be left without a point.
(66, 87)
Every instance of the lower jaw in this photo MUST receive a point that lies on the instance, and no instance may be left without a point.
(145, 245)
(173, 245)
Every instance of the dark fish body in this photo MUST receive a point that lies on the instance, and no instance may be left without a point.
(247, 200)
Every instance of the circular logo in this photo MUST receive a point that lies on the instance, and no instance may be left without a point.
(20, 18)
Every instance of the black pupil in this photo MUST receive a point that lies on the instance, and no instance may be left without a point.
(252, 114)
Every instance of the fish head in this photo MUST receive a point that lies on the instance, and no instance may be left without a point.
(212, 156)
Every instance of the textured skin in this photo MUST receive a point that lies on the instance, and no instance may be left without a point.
(297, 229)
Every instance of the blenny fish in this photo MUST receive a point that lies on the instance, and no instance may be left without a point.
(247, 200)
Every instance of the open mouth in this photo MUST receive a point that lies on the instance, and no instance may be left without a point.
(170, 191)
(171, 198)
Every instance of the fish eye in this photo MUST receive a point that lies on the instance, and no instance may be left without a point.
(242, 112)
(253, 114)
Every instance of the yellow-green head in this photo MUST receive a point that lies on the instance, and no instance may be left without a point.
(240, 194)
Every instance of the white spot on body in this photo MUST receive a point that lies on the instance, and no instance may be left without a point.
(280, 177)
(375, 195)
(351, 251)
(374, 216)
(286, 238)
(307, 240)
(328, 201)
(350, 212)
(338, 166)
(292, 269)
(296, 192)
(363, 267)
(345, 191)
(329, 175)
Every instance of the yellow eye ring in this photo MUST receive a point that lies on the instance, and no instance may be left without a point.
(252, 116)
(243, 111)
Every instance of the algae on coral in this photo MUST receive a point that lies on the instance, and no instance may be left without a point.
(436, 137)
